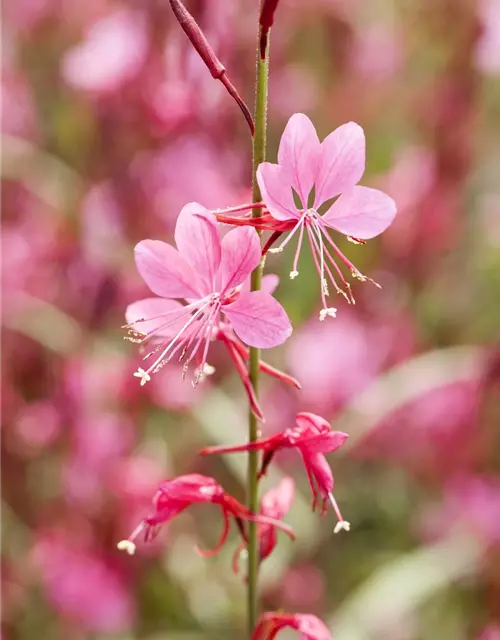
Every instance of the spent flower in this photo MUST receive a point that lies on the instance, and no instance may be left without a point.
(309, 626)
(312, 436)
(173, 496)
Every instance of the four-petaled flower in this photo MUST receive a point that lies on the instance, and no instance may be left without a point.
(173, 496)
(272, 622)
(318, 172)
(312, 436)
(208, 273)
(275, 504)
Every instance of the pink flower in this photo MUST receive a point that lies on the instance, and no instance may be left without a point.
(173, 496)
(271, 623)
(312, 437)
(208, 273)
(112, 53)
(275, 504)
(319, 172)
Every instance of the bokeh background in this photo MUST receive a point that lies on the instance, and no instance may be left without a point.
(111, 123)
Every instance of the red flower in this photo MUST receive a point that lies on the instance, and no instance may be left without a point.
(275, 504)
(173, 496)
(271, 623)
(312, 437)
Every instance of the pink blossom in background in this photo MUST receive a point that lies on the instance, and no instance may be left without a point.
(166, 177)
(176, 495)
(208, 273)
(18, 115)
(312, 436)
(38, 425)
(439, 424)
(470, 503)
(333, 168)
(491, 632)
(309, 627)
(488, 47)
(302, 586)
(377, 53)
(112, 53)
(82, 586)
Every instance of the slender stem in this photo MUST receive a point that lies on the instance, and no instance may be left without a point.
(259, 155)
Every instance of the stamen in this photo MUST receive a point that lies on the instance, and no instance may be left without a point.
(293, 275)
(143, 375)
(341, 524)
(276, 250)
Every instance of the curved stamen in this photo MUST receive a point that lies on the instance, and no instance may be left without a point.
(341, 524)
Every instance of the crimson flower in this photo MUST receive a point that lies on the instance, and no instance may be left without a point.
(272, 622)
(208, 273)
(275, 504)
(173, 496)
(312, 436)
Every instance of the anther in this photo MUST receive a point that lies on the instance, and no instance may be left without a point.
(342, 525)
(143, 375)
(293, 275)
(329, 311)
(276, 250)
(128, 546)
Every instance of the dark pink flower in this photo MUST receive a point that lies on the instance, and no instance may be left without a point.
(272, 622)
(275, 504)
(173, 496)
(208, 273)
(317, 173)
(312, 437)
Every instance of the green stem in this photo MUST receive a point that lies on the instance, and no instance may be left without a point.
(259, 155)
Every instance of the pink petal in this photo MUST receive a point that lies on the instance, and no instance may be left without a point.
(342, 162)
(277, 501)
(259, 320)
(275, 184)
(155, 308)
(241, 253)
(165, 271)
(325, 443)
(198, 240)
(317, 465)
(300, 152)
(361, 212)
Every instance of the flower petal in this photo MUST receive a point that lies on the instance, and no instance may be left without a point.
(361, 212)
(162, 311)
(342, 162)
(241, 253)
(165, 271)
(275, 184)
(198, 240)
(317, 466)
(300, 152)
(259, 320)
(324, 443)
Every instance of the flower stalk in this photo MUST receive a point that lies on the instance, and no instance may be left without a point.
(259, 156)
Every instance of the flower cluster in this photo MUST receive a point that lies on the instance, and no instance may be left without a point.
(210, 275)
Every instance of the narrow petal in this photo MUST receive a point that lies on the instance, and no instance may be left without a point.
(324, 443)
(161, 311)
(277, 501)
(361, 212)
(317, 465)
(259, 320)
(300, 152)
(165, 271)
(275, 184)
(342, 162)
(198, 240)
(240, 255)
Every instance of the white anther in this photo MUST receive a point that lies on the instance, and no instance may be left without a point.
(342, 524)
(293, 275)
(359, 276)
(330, 311)
(145, 377)
(208, 370)
(276, 250)
(128, 546)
